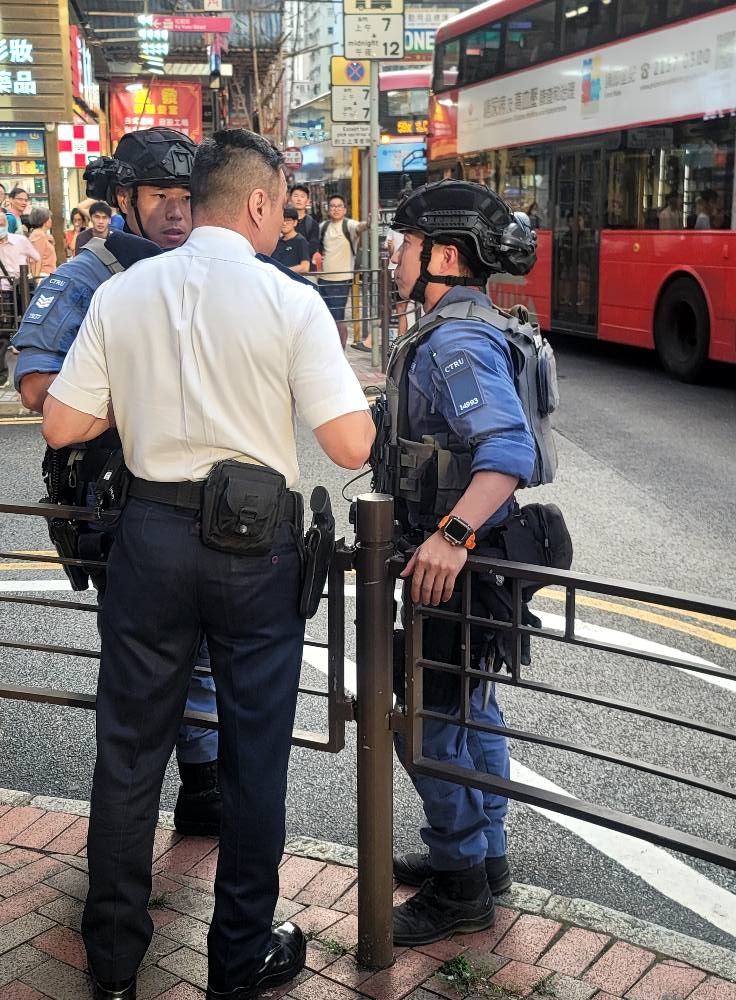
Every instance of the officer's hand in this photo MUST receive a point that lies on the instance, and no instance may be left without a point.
(434, 567)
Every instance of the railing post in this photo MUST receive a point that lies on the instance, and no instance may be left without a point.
(374, 655)
(25, 288)
(384, 306)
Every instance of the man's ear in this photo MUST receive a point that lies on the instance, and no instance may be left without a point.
(257, 205)
(123, 200)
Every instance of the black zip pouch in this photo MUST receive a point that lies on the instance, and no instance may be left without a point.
(241, 507)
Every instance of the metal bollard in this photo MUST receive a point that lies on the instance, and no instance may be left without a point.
(374, 655)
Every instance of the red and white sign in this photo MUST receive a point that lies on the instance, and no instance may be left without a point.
(164, 103)
(180, 22)
(293, 157)
(78, 144)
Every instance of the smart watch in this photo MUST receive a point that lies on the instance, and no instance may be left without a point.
(456, 531)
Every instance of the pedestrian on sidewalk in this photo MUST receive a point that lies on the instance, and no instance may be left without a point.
(149, 178)
(39, 224)
(338, 246)
(15, 250)
(307, 226)
(100, 213)
(182, 566)
(457, 398)
(292, 250)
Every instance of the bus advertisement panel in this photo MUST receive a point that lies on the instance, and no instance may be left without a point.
(621, 151)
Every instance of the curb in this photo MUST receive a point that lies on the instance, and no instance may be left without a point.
(528, 898)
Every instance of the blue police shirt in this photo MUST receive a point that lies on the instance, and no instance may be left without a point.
(461, 384)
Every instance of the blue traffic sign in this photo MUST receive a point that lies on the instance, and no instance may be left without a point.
(355, 71)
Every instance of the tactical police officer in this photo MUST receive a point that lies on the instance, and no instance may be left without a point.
(210, 540)
(148, 178)
(463, 447)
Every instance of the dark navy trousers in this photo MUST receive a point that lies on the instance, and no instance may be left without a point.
(164, 590)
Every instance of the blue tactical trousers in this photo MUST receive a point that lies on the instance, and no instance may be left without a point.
(464, 825)
(164, 590)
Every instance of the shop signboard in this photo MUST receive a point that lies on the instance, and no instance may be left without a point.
(164, 103)
(34, 76)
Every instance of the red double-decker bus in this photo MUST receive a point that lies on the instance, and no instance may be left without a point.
(612, 123)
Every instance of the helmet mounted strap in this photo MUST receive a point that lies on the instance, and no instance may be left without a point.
(134, 203)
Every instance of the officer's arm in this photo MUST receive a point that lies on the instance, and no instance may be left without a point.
(34, 388)
(64, 425)
(347, 439)
(435, 565)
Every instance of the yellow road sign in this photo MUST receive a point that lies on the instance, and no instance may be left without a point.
(349, 72)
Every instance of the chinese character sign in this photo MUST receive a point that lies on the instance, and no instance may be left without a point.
(170, 104)
(16, 52)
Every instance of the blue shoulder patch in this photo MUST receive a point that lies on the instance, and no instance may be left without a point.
(462, 383)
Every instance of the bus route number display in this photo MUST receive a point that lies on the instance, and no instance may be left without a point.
(374, 36)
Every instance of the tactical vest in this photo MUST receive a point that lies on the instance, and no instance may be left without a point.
(431, 475)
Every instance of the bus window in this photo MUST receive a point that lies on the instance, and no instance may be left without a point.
(446, 62)
(587, 24)
(673, 177)
(479, 54)
(530, 36)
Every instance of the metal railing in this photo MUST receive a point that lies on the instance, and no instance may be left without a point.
(339, 705)
(376, 567)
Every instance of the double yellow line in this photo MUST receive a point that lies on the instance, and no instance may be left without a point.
(667, 620)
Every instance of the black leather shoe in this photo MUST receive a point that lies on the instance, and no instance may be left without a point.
(198, 809)
(415, 869)
(284, 961)
(121, 989)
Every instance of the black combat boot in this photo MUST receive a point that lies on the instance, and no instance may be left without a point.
(447, 902)
(199, 806)
(415, 869)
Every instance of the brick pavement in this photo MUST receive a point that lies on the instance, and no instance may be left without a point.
(42, 888)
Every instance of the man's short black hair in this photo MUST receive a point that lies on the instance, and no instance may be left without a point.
(290, 212)
(301, 187)
(14, 192)
(230, 165)
(339, 198)
(100, 208)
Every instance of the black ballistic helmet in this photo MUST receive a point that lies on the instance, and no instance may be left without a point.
(161, 157)
(471, 217)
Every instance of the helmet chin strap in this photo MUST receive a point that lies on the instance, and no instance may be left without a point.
(134, 203)
(419, 290)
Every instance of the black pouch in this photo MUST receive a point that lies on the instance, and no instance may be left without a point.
(537, 534)
(319, 545)
(111, 486)
(241, 506)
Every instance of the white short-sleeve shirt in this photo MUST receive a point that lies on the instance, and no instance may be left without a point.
(207, 353)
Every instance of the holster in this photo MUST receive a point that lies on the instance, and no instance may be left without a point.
(65, 538)
(242, 505)
(319, 545)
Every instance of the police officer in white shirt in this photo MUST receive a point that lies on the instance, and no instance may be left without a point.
(203, 356)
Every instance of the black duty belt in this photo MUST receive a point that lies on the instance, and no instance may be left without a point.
(189, 496)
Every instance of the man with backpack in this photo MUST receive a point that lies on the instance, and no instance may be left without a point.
(338, 238)
(456, 441)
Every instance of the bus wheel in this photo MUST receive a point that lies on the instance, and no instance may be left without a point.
(682, 330)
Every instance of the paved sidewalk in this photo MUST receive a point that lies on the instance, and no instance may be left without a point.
(531, 951)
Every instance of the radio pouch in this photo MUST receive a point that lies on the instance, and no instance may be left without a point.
(241, 506)
(111, 486)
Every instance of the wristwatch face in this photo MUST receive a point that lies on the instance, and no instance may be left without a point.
(456, 531)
